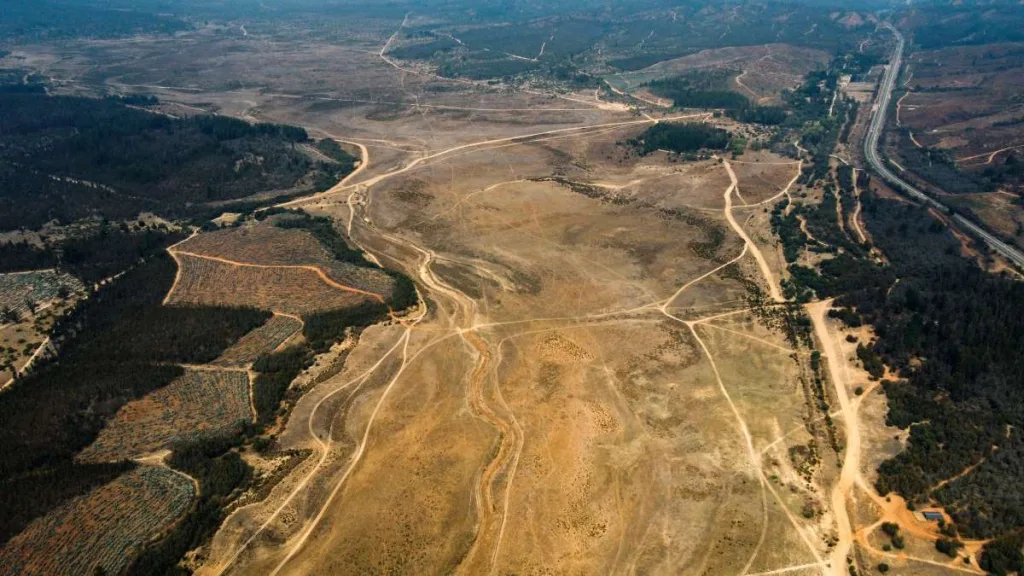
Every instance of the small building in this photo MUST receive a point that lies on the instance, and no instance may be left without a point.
(932, 515)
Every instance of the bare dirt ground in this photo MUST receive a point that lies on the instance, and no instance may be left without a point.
(560, 385)
(583, 388)
(964, 99)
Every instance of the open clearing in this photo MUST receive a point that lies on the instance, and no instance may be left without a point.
(597, 432)
(36, 299)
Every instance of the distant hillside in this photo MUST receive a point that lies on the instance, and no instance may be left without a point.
(53, 19)
(67, 158)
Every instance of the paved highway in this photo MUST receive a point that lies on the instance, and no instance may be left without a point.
(871, 154)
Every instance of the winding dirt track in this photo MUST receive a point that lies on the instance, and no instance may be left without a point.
(773, 287)
(855, 219)
(461, 321)
(508, 139)
(892, 508)
(177, 273)
(991, 155)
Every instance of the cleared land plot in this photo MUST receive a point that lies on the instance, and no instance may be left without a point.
(621, 453)
(104, 529)
(260, 341)
(966, 99)
(762, 176)
(19, 289)
(200, 403)
(260, 244)
(1001, 211)
(768, 69)
(280, 289)
(268, 245)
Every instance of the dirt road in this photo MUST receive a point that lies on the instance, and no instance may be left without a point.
(855, 219)
(773, 287)
(509, 139)
(851, 460)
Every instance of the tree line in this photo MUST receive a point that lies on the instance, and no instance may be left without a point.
(68, 158)
(952, 333)
(681, 138)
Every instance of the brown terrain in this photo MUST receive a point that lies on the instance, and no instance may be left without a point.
(762, 72)
(587, 384)
(959, 96)
(966, 101)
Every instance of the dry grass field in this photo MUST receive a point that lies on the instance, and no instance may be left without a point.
(203, 402)
(100, 532)
(1001, 211)
(606, 422)
(960, 96)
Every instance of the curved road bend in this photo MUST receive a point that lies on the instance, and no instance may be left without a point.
(881, 107)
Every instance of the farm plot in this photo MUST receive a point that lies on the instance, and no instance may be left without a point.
(19, 290)
(104, 529)
(260, 244)
(267, 245)
(200, 403)
(361, 277)
(260, 341)
(291, 290)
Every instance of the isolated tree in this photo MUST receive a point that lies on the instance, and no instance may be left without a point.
(8, 315)
(948, 546)
(890, 528)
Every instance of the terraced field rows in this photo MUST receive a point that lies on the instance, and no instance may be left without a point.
(296, 291)
(202, 402)
(262, 340)
(105, 528)
(268, 245)
(261, 244)
(359, 277)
